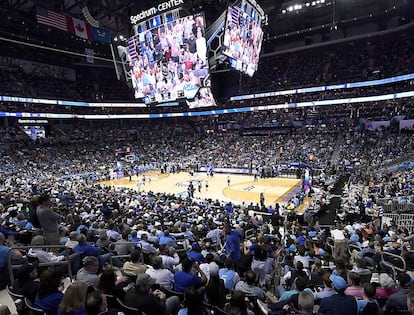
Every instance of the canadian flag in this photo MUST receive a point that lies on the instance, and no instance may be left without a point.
(79, 28)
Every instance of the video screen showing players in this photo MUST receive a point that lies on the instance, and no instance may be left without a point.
(243, 38)
(170, 61)
(35, 132)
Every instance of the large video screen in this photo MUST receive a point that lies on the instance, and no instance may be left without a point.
(243, 38)
(169, 62)
(35, 132)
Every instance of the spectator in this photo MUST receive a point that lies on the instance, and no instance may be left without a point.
(260, 251)
(25, 283)
(215, 289)
(50, 293)
(398, 300)
(152, 303)
(111, 285)
(410, 302)
(230, 277)
(327, 290)
(193, 303)
(48, 219)
(387, 286)
(96, 304)
(162, 276)
(354, 288)
(134, 267)
(249, 287)
(185, 278)
(339, 303)
(169, 257)
(73, 302)
(49, 257)
(368, 305)
(89, 272)
(232, 245)
(15, 255)
(237, 304)
(306, 303)
(195, 253)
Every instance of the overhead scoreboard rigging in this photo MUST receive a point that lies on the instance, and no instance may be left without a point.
(167, 59)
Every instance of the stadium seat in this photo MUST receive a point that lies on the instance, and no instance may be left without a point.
(32, 309)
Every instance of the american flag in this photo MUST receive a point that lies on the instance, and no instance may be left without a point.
(53, 19)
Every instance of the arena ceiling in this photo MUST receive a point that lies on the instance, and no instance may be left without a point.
(114, 14)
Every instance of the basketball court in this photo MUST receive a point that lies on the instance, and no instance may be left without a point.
(242, 188)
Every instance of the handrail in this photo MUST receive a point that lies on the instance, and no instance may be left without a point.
(11, 267)
(391, 265)
(111, 247)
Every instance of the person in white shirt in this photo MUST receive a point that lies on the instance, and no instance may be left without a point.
(205, 267)
(49, 257)
(339, 243)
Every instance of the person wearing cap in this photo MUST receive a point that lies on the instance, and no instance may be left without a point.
(150, 302)
(339, 303)
(162, 276)
(25, 283)
(398, 300)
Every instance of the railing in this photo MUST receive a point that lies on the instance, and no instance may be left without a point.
(391, 260)
(402, 220)
(12, 267)
(114, 254)
(396, 207)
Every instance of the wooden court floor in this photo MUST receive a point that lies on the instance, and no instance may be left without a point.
(242, 188)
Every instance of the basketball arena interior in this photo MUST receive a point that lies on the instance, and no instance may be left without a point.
(207, 157)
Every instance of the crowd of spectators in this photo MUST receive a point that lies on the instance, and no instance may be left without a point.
(90, 216)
